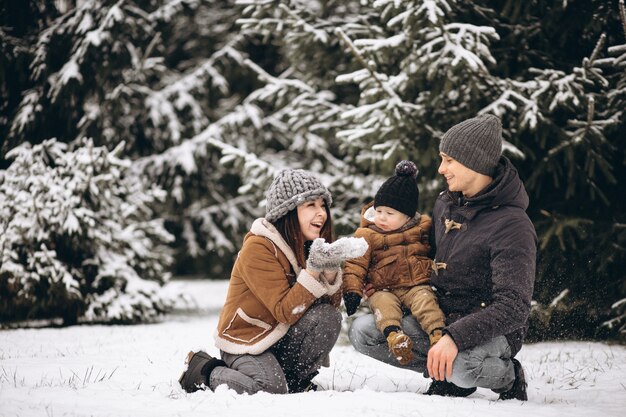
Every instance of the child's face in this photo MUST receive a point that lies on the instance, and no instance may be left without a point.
(388, 219)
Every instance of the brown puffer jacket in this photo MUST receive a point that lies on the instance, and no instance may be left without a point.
(394, 259)
(267, 293)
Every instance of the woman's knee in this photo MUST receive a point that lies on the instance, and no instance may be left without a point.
(252, 373)
(325, 317)
(273, 385)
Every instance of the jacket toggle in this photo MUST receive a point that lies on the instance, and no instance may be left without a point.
(451, 225)
(436, 266)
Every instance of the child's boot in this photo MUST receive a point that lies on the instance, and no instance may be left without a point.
(400, 346)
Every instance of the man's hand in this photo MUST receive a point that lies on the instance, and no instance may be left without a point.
(441, 357)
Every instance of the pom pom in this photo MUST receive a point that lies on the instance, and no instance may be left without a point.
(406, 169)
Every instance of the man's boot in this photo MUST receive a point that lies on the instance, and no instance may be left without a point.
(518, 390)
(448, 389)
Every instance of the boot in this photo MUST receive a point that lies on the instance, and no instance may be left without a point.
(518, 390)
(435, 336)
(304, 385)
(199, 367)
(448, 389)
(400, 346)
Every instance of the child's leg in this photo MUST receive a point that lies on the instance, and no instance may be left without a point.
(388, 312)
(386, 308)
(368, 340)
(424, 306)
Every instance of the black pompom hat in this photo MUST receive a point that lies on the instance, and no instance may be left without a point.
(400, 192)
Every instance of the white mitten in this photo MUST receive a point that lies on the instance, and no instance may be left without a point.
(324, 255)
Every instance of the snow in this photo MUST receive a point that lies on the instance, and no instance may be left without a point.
(134, 370)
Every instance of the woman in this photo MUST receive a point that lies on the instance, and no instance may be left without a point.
(280, 318)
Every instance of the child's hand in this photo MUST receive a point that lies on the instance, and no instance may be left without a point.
(352, 301)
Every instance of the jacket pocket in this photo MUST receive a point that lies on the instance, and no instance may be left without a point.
(421, 267)
(384, 272)
(243, 328)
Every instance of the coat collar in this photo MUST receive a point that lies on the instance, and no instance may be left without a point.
(506, 189)
(261, 227)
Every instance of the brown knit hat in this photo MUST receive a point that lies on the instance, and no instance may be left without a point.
(476, 143)
(400, 192)
(289, 189)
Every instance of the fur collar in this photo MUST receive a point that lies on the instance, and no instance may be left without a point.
(261, 227)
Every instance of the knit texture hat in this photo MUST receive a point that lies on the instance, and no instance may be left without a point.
(476, 143)
(400, 192)
(289, 189)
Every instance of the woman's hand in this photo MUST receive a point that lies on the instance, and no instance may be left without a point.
(324, 255)
(330, 276)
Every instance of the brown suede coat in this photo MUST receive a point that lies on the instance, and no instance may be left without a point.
(394, 259)
(268, 292)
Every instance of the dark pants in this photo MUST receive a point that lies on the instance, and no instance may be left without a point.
(290, 363)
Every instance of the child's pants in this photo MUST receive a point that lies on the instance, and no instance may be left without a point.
(420, 299)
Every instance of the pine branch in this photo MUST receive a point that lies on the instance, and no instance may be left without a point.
(590, 112)
(359, 57)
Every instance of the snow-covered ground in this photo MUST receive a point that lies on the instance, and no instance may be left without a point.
(134, 370)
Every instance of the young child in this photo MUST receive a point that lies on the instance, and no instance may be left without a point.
(396, 263)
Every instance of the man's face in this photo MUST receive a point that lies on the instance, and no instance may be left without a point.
(458, 176)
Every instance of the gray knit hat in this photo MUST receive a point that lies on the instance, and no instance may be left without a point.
(290, 188)
(476, 143)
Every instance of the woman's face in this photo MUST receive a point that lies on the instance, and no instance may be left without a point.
(312, 216)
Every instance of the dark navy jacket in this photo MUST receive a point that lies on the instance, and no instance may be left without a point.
(486, 287)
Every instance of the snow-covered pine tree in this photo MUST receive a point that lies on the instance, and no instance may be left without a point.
(212, 97)
(562, 119)
(78, 239)
(423, 71)
(146, 72)
(289, 120)
(614, 241)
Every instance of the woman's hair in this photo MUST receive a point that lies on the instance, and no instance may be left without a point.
(289, 228)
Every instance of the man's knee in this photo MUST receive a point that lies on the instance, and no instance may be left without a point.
(469, 364)
(483, 363)
(359, 332)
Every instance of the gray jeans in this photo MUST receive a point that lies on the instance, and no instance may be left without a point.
(487, 366)
(290, 363)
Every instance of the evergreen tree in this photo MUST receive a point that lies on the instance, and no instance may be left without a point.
(212, 97)
(77, 237)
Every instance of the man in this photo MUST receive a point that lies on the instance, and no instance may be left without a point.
(483, 272)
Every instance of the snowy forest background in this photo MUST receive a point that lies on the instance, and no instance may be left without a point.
(137, 136)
